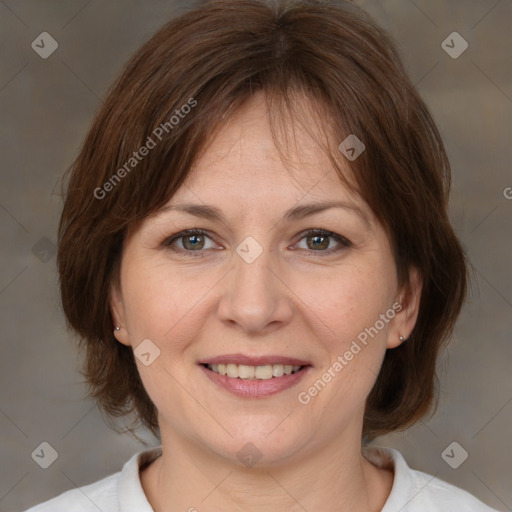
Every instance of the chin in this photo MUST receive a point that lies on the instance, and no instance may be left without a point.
(259, 442)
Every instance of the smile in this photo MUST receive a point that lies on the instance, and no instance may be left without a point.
(254, 377)
(261, 372)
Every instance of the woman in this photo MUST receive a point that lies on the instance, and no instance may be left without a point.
(256, 253)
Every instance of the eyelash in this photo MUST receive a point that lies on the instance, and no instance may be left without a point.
(321, 232)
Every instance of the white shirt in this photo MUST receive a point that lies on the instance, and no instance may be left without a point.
(412, 491)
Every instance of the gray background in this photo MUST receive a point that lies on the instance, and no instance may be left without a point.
(47, 106)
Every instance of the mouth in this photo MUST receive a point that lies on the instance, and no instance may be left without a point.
(261, 372)
(254, 377)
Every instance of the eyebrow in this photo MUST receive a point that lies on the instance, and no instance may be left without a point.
(298, 212)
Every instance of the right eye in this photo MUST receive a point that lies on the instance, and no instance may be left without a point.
(192, 241)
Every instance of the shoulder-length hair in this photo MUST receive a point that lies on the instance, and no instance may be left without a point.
(174, 95)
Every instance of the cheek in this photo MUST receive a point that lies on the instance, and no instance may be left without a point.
(157, 299)
(345, 302)
(163, 306)
(353, 350)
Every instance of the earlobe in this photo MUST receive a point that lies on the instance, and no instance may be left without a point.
(121, 335)
(405, 319)
(118, 317)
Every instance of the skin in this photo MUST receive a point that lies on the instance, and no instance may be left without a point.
(304, 302)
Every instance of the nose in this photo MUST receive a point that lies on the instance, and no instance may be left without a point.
(255, 296)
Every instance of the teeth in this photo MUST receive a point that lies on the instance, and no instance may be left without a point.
(263, 372)
(278, 370)
(232, 370)
(246, 372)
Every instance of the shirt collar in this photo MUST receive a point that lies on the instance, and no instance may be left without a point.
(403, 479)
(130, 494)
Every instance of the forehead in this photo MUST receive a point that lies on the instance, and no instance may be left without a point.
(243, 159)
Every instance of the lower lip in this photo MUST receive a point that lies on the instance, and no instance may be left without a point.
(255, 388)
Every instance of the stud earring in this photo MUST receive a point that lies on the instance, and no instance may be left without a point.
(402, 339)
(118, 328)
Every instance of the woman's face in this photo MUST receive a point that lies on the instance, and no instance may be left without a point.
(256, 292)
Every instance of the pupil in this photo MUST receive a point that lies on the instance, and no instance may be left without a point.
(194, 240)
(317, 240)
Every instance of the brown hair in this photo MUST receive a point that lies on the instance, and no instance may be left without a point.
(212, 58)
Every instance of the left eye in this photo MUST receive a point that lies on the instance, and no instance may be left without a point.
(317, 240)
(320, 239)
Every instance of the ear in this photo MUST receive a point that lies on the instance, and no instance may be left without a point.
(405, 318)
(118, 315)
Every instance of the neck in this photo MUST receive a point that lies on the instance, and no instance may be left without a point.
(337, 478)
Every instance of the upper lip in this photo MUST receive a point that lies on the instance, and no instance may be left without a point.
(254, 360)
